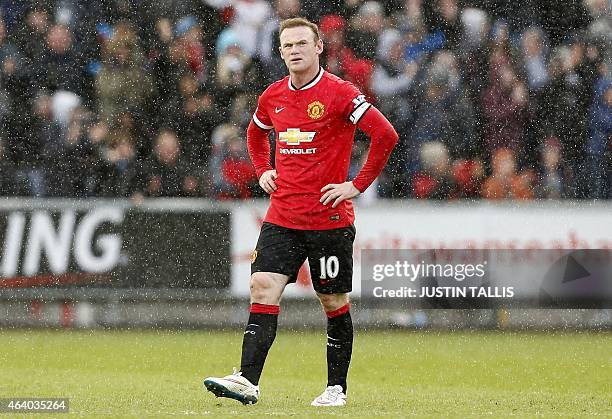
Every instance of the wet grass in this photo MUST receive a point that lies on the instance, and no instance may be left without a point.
(396, 374)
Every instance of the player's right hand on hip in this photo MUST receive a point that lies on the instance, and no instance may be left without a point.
(266, 181)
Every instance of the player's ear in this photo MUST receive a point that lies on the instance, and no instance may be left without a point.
(319, 46)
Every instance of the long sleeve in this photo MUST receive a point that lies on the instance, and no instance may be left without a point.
(259, 148)
(383, 139)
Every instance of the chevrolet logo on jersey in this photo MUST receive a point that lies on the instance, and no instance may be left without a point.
(293, 136)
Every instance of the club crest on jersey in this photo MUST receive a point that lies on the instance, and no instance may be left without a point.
(316, 109)
(293, 136)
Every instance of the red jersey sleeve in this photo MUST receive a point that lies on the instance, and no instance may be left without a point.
(352, 103)
(383, 136)
(383, 139)
(261, 117)
(258, 144)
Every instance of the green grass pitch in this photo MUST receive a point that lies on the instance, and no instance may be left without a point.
(395, 374)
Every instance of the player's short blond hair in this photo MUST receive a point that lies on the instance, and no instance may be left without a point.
(295, 22)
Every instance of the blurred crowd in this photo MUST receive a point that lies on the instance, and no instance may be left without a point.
(122, 98)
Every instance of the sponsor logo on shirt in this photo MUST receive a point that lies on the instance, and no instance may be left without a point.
(297, 150)
(293, 136)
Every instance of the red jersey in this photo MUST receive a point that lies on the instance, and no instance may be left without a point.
(315, 127)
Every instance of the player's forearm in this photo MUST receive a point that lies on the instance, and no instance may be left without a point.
(383, 139)
(259, 148)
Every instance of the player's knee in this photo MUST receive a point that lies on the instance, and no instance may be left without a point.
(263, 288)
(331, 302)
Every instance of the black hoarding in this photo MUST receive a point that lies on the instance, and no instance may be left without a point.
(114, 247)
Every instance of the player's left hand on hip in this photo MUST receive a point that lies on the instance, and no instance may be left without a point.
(338, 192)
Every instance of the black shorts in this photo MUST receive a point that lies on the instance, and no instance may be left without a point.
(329, 252)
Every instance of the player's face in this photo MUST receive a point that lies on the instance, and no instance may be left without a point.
(300, 50)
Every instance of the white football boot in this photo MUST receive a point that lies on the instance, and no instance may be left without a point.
(332, 396)
(233, 386)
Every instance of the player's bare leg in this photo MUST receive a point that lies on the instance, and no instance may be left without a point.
(266, 291)
(339, 348)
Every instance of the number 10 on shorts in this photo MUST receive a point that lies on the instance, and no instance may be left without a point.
(329, 267)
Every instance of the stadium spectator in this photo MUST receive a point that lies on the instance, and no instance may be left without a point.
(599, 145)
(500, 49)
(319, 8)
(272, 63)
(29, 37)
(442, 17)
(121, 85)
(365, 28)
(239, 117)
(504, 105)
(422, 43)
(207, 14)
(550, 182)
(137, 129)
(559, 19)
(340, 59)
(475, 29)
(50, 134)
(393, 76)
(332, 29)
(249, 16)
(563, 108)
(59, 68)
(232, 172)
(188, 49)
(474, 62)
(534, 58)
(34, 143)
(469, 175)
(192, 115)
(362, 39)
(505, 182)
(443, 111)
(76, 170)
(118, 169)
(232, 62)
(409, 16)
(12, 72)
(7, 174)
(599, 30)
(435, 181)
(165, 174)
(392, 82)
(165, 70)
(237, 75)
